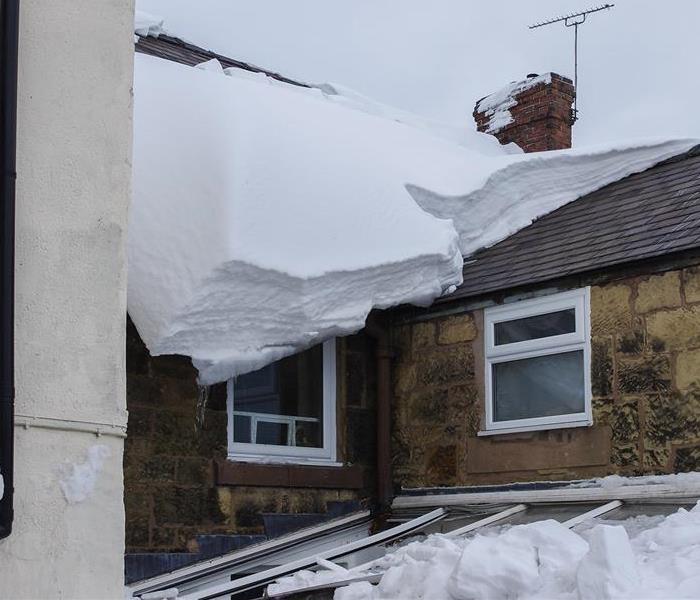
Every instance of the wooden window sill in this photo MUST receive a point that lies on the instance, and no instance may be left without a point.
(232, 473)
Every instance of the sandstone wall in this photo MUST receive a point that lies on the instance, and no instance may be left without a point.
(645, 384)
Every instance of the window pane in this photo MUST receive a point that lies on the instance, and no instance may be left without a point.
(241, 429)
(272, 433)
(291, 387)
(543, 386)
(535, 327)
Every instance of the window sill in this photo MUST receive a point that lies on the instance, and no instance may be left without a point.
(543, 427)
(291, 475)
(282, 460)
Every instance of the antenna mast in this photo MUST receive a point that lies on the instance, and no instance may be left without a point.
(573, 20)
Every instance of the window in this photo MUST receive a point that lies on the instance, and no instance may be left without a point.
(285, 412)
(538, 363)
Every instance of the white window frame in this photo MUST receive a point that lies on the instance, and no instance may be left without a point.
(268, 453)
(580, 339)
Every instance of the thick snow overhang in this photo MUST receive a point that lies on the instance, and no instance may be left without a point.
(268, 217)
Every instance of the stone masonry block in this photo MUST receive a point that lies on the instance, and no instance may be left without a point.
(610, 309)
(659, 291)
(445, 367)
(405, 378)
(601, 367)
(687, 369)
(650, 373)
(423, 335)
(678, 329)
(691, 280)
(625, 422)
(453, 330)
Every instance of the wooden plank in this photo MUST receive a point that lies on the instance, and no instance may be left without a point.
(580, 447)
(294, 476)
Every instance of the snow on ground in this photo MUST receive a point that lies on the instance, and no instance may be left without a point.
(268, 217)
(541, 560)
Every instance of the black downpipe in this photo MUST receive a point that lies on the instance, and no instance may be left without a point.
(9, 13)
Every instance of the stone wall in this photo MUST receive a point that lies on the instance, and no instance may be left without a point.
(171, 495)
(645, 384)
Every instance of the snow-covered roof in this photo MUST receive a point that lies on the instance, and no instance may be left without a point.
(267, 217)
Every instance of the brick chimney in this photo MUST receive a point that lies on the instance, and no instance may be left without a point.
(534, 113)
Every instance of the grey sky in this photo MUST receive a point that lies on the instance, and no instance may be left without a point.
(639, 69)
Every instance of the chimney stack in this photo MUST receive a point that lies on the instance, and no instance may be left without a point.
(534, 113)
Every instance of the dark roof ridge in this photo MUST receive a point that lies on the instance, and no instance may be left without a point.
(178, 50)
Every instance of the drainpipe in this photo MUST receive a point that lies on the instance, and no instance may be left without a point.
(384, 356)
(9, 14)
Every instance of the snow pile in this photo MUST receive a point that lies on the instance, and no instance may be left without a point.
(680, 481)
(79, 481)
(146, 24)
(497, 105)
(268, 217)
(534, 561)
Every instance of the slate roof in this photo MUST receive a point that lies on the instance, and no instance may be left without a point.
(178, 50)
(645, 215)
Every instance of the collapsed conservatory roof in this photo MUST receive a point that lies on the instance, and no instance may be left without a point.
(268, 217)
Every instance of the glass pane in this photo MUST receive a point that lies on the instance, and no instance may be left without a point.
(542, 386)
(272, 433)
(535, 327)
(241, 429)
(307, 434)
(291, 387)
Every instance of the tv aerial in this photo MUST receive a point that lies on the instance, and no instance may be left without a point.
(573, 20)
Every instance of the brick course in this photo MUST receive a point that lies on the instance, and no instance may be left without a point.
(541, 117)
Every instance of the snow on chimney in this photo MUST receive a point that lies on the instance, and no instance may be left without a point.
(534, 113)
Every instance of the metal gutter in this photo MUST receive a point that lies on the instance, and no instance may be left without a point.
(9, 16)
(384, 357)
(639, 492)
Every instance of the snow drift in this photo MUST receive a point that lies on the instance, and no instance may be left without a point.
(639, 558)
(267, 217)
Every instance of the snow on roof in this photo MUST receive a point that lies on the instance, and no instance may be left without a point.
(268, 217)
(497, 105)
(146, 24)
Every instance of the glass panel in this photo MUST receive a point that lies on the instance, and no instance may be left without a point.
(535, 327)
(241, 429)
(542, 386)
(291, 388)
(272, 433)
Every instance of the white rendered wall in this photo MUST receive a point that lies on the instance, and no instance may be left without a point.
(73, 189)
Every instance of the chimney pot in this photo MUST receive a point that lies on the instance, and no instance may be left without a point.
(534, 113)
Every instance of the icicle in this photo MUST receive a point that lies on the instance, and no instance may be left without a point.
(202, 401)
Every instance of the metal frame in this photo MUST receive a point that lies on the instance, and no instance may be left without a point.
(264, 577)
(646, 492)
(232, 562)
(579, 340)
(495, 518)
